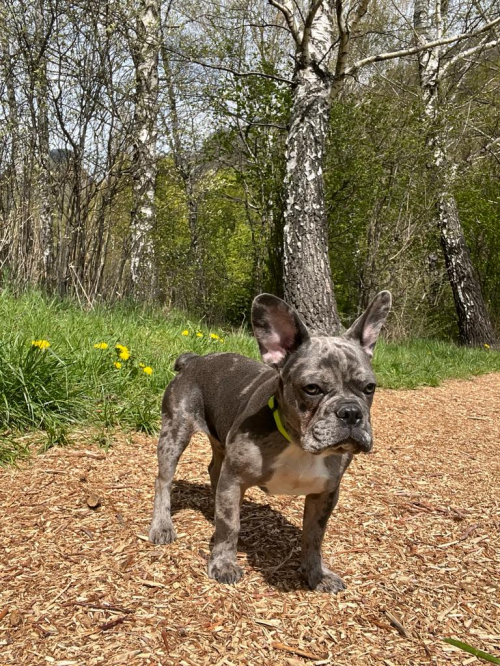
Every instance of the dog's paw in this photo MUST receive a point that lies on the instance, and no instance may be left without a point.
(330, 583)
(225, 572)
(161, 535)
(323, 580)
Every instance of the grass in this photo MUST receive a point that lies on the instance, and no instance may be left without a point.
(429, 362)
(480, 654)
(72, 382)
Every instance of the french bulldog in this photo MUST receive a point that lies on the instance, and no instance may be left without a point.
(290, 425)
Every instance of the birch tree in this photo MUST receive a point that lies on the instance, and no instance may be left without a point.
(144, 169)
(322, 34)
(430, 23)
(308, 285)
(44, 21)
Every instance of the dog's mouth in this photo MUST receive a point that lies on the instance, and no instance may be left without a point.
(348, 445)
(352, 445)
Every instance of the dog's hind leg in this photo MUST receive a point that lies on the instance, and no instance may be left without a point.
(174, 438)
(216, 463)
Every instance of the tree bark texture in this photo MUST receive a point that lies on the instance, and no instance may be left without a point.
(474, 323)
(142, 264)
(308, 284)
(473, 319)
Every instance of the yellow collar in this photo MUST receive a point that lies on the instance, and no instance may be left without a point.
(277, 418)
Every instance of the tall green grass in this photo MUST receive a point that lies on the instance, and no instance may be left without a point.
(73, 382)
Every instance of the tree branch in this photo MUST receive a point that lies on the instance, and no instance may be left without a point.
(254, 123)
(235, 72)
(288, 18)
(465, 54)
(380, 57)
(343, 27)
(306, 36)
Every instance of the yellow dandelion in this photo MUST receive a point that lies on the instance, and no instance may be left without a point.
(148, 370)
(186, 332)
(101, 345)
(486, 346)
(221, 340)
(124, 355)
(199, 335)
(214, 336)
(142, 365)
(121, 347)
(118, 365)
(41, 344)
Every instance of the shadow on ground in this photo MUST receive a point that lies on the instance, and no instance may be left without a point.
(270, 541)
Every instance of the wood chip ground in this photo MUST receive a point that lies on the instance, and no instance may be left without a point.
(415, 536)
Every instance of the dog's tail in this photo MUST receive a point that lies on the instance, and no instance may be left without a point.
(183, 360)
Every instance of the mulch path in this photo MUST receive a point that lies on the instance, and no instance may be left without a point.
(415, 536)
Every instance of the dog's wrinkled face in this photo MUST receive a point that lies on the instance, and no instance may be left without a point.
(326, 394)
(327, 383)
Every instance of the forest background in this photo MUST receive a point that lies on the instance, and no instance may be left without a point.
(145, 151)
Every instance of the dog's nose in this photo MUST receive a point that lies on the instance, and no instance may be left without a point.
(350, 413)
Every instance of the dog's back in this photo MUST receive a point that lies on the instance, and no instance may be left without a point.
(204, 383)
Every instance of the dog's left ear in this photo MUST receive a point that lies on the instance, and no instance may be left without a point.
(278, 328)
(366, 328)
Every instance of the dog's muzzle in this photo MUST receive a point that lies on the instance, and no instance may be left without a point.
(352, 445)
(344, 430)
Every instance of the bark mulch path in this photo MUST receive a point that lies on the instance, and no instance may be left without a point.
(416, 538)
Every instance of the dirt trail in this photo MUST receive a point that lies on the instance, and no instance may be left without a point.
(416, 538)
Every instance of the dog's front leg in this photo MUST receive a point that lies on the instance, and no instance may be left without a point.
(222, 565)
(317, 510)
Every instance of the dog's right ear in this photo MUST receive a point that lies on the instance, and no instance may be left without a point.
(366, 328)
(278, 328)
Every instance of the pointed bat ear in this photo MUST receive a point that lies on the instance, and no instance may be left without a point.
(278, 328)
(366, 328)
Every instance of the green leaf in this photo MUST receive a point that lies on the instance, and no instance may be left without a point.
(472, 650)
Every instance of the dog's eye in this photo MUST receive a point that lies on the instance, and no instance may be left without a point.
(369, 389)
(312, 389)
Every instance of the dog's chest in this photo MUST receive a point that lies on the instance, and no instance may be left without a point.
(296, 472)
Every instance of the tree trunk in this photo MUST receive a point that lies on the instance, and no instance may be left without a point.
(142, 264)
(13, 175)
(308, 284)
(45, 236)
(474, 323)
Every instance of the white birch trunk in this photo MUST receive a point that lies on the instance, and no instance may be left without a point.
(308, 284)
(142, 264)
(45, 204)
(474, 324)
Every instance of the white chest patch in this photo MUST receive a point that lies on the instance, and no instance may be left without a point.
(297, 472)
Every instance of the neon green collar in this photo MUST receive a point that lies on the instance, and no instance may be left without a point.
(277, 418)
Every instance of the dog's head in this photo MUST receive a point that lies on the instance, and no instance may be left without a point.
(327, 383)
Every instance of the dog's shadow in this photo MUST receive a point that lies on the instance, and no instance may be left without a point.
(271, 542)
